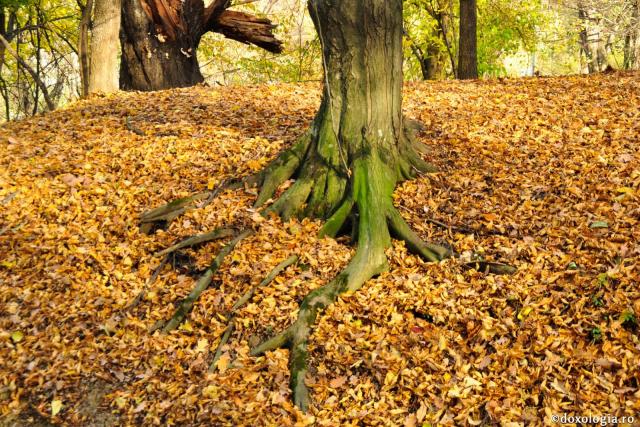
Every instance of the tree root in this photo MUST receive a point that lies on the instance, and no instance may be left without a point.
(203, 283)
(282, 168)
(402, 231)
(242, 301)
(147, 285)
(360, 192)
(491, 267)
(198, 240)
(167, 213)
(223, 341)
(371, 195)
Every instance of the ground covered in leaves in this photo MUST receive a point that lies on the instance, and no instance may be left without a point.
(543, 174)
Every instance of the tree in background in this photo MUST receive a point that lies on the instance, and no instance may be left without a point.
(300, 63)
(428, 31)
(506, 28)
(37, 68)
(468, 50)
(632, 37)
(609, 33)
(105, 31)
(160, 39)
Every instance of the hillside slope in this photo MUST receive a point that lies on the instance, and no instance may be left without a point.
(543, 174)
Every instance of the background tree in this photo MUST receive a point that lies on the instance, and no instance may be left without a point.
(160, 39)
(86, 9)
(468, 50)
(105, 30)
(428, 32)
(38, 69)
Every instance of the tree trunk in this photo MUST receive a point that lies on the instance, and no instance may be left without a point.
(434, 62)
(103, 74)
(160, 37)
(349, 164)
(632, 38)
(152, 61)
(83, 45)
(431, 62)
(585, 45)
(468, 51)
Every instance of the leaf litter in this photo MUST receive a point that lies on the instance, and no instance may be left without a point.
(530, 171)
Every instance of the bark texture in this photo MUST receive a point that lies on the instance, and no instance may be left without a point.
(103, 70)
(160, 37)
(468, 52)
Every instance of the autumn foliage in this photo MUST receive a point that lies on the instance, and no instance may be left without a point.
(542, 174)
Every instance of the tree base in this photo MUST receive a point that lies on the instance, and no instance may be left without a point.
(366, 198)
(326, 188)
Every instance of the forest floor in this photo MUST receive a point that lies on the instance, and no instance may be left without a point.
(542, 174)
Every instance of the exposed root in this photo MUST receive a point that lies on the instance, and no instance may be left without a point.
(170, 211)
(242, 301)
(326, 187)
(336, 222)
(372, 188)
(270, 277)
(491, 267)
(198, 240)
(223, 341)
(283, 168)
(368, 262)
(203, 283)
(167, 213)
(402, 231)
(147, 285)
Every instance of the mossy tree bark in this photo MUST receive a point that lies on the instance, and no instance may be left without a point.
(347, 166)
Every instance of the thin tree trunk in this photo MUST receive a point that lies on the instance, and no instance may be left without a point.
(103, 75)
(632, 38)
(36, 97)
(45, 92)
(585, 45)
(443, 28)
(468, 51)
(83, 46)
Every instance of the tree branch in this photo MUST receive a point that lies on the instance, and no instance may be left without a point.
(45, 92)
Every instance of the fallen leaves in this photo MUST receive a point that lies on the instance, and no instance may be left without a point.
(527, 167)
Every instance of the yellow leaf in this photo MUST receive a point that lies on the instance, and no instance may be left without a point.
(223, 362)
(186, 326)
(524, 313)
(212, 184)
(56, 407)
(121, 402)
(203, 345)
(625, 190)
(17, 336)
(210, 391)
(421, 413)
(8, 265)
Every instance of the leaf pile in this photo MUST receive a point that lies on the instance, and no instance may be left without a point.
(542, 174)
